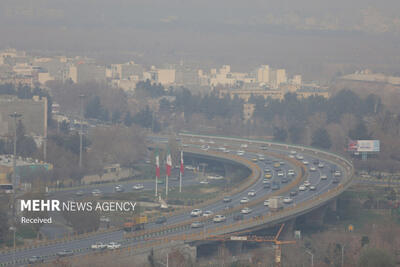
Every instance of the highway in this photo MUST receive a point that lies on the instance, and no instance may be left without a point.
(251, 152)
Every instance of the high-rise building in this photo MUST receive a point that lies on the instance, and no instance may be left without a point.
(263, 74)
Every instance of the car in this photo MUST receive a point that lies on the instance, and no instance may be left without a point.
(240, 153)
(244, 200)
(263, 147)
(335, 180)
(293, 152)
(337, 173)
(266, 203)
(221, 148)
(312, 169)
(265, 181)
(307, 183)
(324, 177)
(251, 193)
(267, 185)
(159, 181)
(208, 213)
(104, 219)
(35, 259)
(315, 161)
(299, 157)
(277, 165)
(211, 142)
(246, 210)
(204, 182)
(254, 159)
(205, 147)
(196, 225)
(138, 187)
(284, 180)
(320, 165)
(267, 170)
(161, 220)
(281, 163)
(275, 186)
(287, 200)
(98, 245)
(305, 162)
(79, 193)
(196, 212)
(96, 192)
(261, 158)
(280, 173)
(219, 218)
(119, 189)
(113, 245)
(290, 172)
(302, 188)
(65, 253)
(313, 188)
(227, 199)
(268, 175)
(238, 217)
(291, 156)
(293, 193)
(243, 146)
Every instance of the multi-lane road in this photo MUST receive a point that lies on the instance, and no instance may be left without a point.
(252, 153)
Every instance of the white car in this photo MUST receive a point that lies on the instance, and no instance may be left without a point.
(302, 188)
(337, 173)
(204, 182)
(291, 156)
(196, 225)
(293, 152)
(320, 165)
(324, 177)
(287, 200)
(305, 162)
(196, 212)
(313, 188)
(138, 187)
(307, 183)
(240, 153)
(312, 169)
(104, 219)
(290, 172)
(98, 245)
(265, 181)
(246, 210)
(113, 245)
(300, 157)
(266, 203)
(205, 147)
(280, 173)
(251, 193)
(96, 192)
(208, 213)
(244, 200)
(243, 145)
(261, 158)
(219, 218)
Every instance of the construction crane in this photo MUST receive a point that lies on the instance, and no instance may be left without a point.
(278, 244)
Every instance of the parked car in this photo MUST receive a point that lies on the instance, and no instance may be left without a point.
(35, 259)
(196, 225)
(113, 245)
(65, 253)
(98, 245)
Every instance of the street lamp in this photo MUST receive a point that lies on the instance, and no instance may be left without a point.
(81, 97)
(312, 257)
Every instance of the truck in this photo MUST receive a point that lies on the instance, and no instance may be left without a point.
(135, 223)
(276, 203)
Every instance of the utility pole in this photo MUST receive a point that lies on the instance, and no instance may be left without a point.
(15, 116)
(81, 97)
(342, 255)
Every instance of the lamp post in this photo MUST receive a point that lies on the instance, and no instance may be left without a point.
(312, 257)
(81, 97)
(342, 254)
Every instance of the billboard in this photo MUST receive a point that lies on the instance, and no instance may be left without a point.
(368, 146)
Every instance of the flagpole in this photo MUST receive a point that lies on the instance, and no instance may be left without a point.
(180, 173)
(156, 185)
(166, 187)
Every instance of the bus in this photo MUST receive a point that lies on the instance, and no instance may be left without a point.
(6, 188)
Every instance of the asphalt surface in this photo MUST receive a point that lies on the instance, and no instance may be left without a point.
(322, 186)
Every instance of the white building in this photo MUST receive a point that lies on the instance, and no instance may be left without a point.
(263, 74)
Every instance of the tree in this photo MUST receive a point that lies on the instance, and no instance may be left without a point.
(360, 132)
(321, 139)
(26, 146)
(280, 134)
(373, 257)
